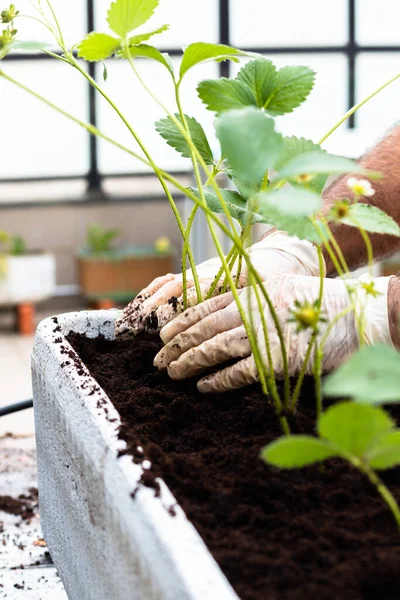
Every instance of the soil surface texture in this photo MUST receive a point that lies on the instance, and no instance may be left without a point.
(320, 532)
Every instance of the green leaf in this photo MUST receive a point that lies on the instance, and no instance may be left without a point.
(296, 451)
(385, 454)
(145, 51)
(126, 15)
(317, 162)
(294, 147)
(371, 219)
(201, 52)
(293, 85)
(371, 376)
(224, 94)
(290, 201)
(298, 226)
(98, 46)
(143, 37)
(171, 134)
(260, 76)
(353, 427)
(235, 203)
(250, 143)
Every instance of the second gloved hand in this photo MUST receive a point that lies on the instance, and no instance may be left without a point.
(208, 335)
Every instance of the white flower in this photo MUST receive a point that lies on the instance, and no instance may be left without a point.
(360, 187)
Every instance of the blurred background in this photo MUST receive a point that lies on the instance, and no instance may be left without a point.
(56, 181)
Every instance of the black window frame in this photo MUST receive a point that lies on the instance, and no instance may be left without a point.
(94, 177)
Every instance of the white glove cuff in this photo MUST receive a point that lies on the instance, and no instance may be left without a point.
(376, 315)
(305, 252)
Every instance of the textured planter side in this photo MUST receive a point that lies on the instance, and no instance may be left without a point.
(125, 276)
(28, 278)
(105, 544)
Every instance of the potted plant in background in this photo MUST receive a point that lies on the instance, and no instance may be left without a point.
(122, 532)
(110, 275)
(27, 277)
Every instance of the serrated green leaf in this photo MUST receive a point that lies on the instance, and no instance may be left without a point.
(143, 37)
(301, 227)
(295, 451)
(370, 376)
(260, 76)
(353, 427)
(317, 162)
(126, 15)
(371, 219)
(289, 201)
(385, 454)
(293, 85)
(235, 203)
(171, 134)
(250, 143)
(294, 147)
(224, 94)
(98, 46)
(145, 51)
(201, 52)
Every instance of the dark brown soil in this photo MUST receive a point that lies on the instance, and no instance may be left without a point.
(23, 507)
(319, 533)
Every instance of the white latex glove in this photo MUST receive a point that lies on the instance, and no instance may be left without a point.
(159, 303)
(212, 333)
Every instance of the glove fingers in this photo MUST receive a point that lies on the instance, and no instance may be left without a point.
(236, 376)
(128, 322)
(168, 312)
(218, 322)
(217, 350)
(194, 315)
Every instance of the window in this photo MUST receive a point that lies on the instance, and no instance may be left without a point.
(352, 44)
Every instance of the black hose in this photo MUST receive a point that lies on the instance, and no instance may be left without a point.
(13, 408)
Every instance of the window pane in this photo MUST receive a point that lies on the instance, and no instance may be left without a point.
(71, 16)
(189, 22)
(142, 112)
(255, 23)
(41, 142)
(372, 71)
(378, 22)
(327, 101)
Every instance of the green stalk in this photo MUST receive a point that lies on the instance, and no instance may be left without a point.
(317, 371)
(356, 107)
(381, 489)
(218, 276)
(313, 338)
(185, 251)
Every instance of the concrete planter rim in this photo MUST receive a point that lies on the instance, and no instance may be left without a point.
(191, 567)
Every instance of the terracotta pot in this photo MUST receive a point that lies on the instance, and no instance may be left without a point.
(120, 277)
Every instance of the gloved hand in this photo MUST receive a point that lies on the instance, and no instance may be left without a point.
(212, 333)
(159, 303)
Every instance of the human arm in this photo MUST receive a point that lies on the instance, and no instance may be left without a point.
(385, 159)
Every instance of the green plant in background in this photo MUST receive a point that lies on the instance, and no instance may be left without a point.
(99, 240)
(274, 179)
(364, 436)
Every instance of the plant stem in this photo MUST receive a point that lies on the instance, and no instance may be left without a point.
(185, 251)
(218, 276)
(317, 371)
(382, 489)
(356, 107)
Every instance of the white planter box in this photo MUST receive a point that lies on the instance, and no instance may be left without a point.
(28, 278)
(105, 544)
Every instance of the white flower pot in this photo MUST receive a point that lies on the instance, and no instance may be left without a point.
(106, 544)
(27, 278)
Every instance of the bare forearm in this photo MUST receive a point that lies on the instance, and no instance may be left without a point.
(385, 158)
(394, 310)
